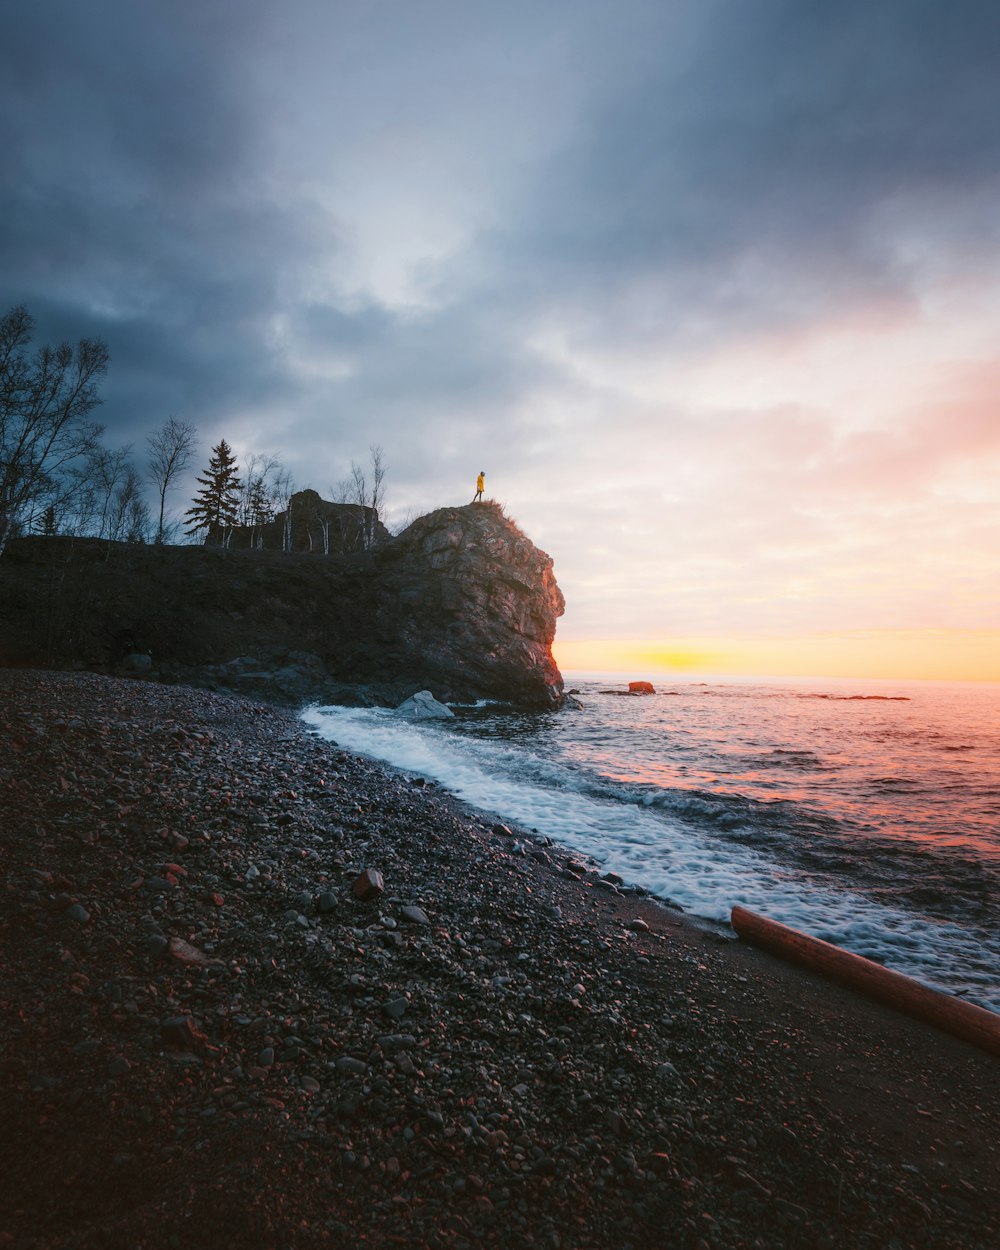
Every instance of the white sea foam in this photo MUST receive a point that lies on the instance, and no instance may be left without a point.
(660, 845)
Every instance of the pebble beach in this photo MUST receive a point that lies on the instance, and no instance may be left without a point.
(257, 991)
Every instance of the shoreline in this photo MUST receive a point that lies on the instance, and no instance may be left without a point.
(545, 1061)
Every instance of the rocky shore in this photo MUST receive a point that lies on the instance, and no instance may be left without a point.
(209, 1040)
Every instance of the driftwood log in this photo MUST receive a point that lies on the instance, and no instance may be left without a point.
(965, 1020)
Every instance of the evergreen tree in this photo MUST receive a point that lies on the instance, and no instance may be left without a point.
(216, 505)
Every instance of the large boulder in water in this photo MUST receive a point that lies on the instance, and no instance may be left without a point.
(641, 687)
(423, 706)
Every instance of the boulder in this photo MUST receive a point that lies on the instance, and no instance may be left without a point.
(423, 706)
(369, 885)
(641, 687)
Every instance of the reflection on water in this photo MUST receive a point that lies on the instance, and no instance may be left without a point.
(868, 816)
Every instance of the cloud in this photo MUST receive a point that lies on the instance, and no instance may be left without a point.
(705, 286)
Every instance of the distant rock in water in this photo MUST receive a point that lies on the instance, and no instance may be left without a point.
(461, 603)
(634, 688)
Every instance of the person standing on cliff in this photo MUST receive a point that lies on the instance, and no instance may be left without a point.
(480, 486)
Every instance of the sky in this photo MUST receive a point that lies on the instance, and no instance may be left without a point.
(709, 288)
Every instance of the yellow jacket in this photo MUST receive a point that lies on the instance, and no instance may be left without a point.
(480, 482)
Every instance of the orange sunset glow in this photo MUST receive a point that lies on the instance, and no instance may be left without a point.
(936, 655)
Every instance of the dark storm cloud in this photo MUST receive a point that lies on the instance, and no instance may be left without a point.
(129, 141)
(173, 175)
(739, 175)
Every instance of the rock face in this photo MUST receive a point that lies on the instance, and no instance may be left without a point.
(314, 525)
(472, 603)
(461, 604)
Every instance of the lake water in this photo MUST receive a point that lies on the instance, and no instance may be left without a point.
(864, 813)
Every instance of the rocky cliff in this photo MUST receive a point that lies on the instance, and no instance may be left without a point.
(472, 602)
(462, 603)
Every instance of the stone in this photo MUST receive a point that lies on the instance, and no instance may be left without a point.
(347, 1063)
(641, 687)
(78, 913)
(266, 1057)
(638, 926)
(181, 1033)
(326, 902)
(118, 1066)
(156, 945)
(185, 953)
(369, 885)
(137, 662)
(423, 706)
(415, 915)
(395, 1008)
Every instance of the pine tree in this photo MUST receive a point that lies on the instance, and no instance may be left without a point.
(216, 505)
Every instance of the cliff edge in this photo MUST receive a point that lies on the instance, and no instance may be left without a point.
(461, 603)
(469, 600)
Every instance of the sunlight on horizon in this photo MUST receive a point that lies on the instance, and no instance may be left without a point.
(892, 655)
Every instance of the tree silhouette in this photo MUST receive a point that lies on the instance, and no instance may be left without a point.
(44, 402)
(217, 504)
(170, 450)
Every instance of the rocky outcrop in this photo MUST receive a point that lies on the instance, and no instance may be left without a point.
(472, 603)
(311, 524)
(462, 604)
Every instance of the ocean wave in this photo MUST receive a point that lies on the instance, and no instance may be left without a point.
(923, 904)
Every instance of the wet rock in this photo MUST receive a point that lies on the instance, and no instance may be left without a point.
(326, 902)
(395, 1008)
(423, 706)
(77, 913)
(641, 687)
(119, 1066)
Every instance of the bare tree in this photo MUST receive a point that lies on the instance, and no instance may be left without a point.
(370, 499)
(129, 515)
(378, 488)
(282, 490)
(44, 402)
(256, 502)
(105, 472)
(343, 493)
(170, 452)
